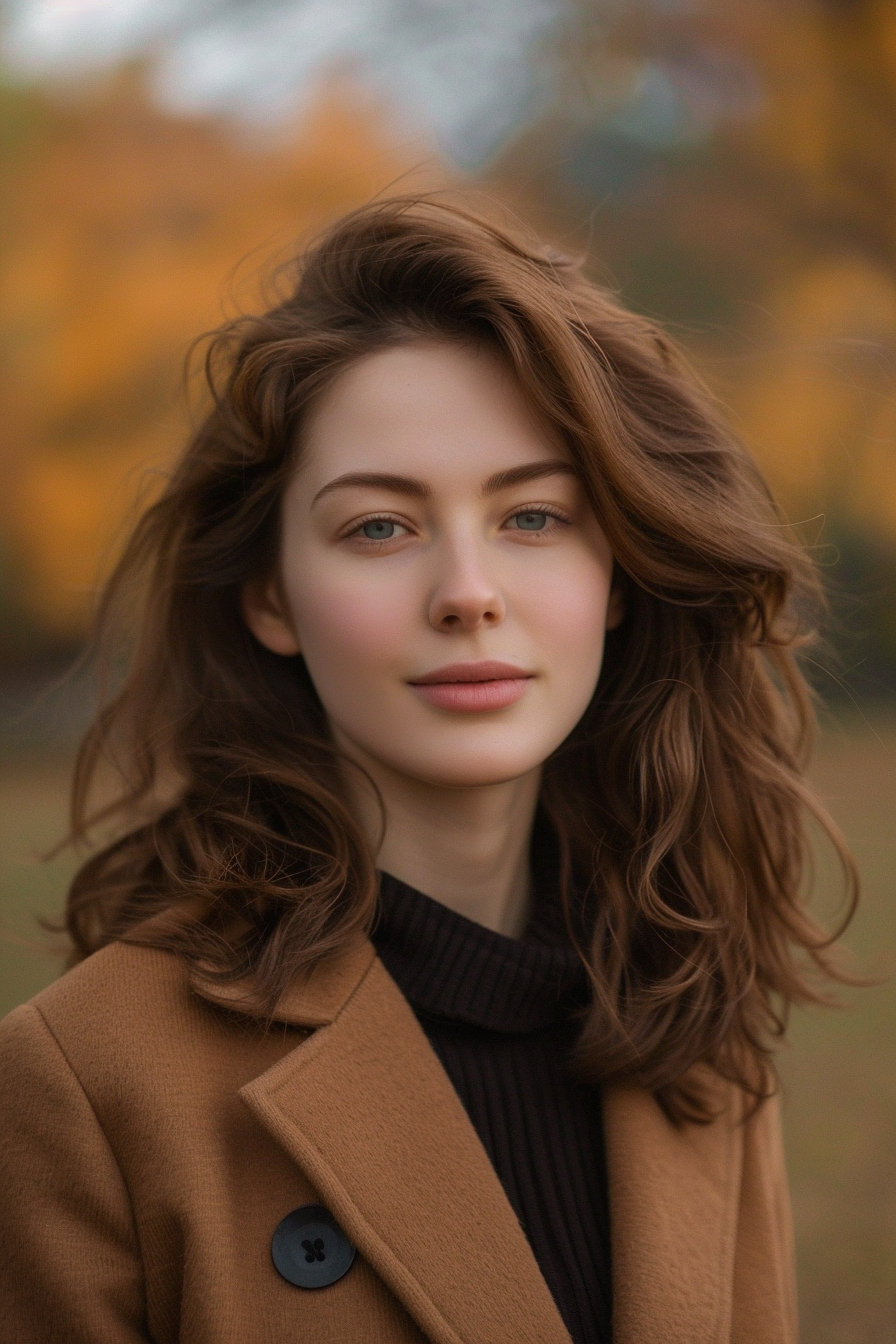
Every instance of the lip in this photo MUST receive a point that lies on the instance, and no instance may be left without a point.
(472, 687)
(486, 670)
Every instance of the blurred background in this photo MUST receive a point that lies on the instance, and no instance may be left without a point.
(728, 165)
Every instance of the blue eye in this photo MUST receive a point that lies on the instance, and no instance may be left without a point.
(530, 522)
(379, 529)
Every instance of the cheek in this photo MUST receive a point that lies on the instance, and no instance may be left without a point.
(567, 607)
(341, 622)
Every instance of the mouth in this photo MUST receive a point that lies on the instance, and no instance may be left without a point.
(472, 687)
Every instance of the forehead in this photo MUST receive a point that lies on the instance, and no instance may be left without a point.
(445, 413)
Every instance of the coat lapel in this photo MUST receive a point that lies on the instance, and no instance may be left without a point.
(367, 1111)
(673, 1214)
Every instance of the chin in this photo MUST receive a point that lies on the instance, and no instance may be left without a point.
(470, 773)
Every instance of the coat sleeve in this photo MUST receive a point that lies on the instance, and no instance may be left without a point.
(764, 1304)
(70, 1268)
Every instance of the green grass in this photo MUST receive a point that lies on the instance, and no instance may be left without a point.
(33, 804)
(839, 1071)
(839, 1068)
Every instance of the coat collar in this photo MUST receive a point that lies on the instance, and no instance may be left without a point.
(367, 1111)
(314, 1001)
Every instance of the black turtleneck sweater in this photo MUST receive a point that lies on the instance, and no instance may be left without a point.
(500, 1014)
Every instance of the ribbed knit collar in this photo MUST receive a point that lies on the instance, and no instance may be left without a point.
(452, 967)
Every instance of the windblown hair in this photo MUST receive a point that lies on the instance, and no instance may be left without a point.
(678, 801)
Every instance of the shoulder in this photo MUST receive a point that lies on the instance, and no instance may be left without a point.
(120, 992)
(703, 1207)
(129, 1027)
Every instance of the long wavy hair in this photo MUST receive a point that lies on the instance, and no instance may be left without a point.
(678, 802)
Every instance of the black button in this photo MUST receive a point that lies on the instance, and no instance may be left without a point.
(310, 1249)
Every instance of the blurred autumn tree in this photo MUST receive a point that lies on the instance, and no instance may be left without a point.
(730, 167)
(122, 239)
(743, 188)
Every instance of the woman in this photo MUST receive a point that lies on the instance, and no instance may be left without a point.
(428, 988)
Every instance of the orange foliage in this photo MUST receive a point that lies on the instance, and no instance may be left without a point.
(818, 403)
(126, 226)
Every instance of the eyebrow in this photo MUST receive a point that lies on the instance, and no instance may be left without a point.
(532, 471)
(413, 488)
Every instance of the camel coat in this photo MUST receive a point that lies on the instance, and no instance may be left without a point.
(153, 1135)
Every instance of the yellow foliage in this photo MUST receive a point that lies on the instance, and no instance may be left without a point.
(799, 127)
(817, 406)
(125, 228)
(873, 496)
(69, 512)
(817, 400)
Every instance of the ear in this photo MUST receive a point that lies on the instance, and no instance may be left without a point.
(616, 603)
(267, 616)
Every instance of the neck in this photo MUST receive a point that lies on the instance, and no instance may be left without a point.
(465, 847)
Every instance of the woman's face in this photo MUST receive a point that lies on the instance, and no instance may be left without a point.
(441, 572)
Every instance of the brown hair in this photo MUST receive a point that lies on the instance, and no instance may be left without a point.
(678, 801)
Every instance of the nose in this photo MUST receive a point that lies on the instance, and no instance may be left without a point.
(466, 596)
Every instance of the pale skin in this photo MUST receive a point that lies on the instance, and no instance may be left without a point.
(434, 528)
